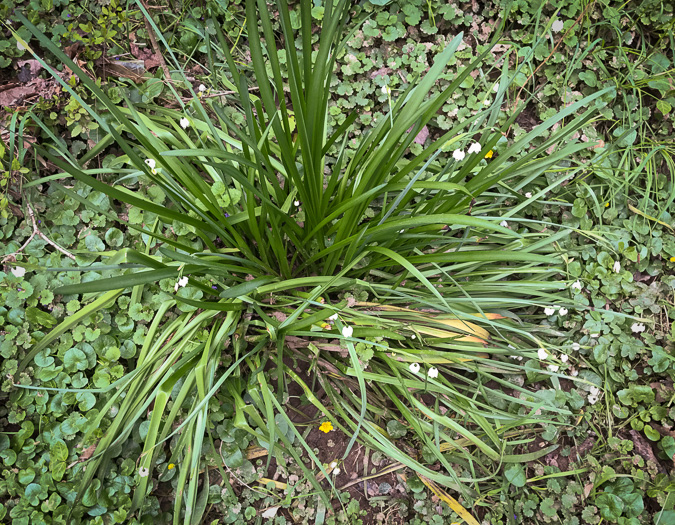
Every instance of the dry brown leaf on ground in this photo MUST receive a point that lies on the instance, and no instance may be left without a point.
(14, 96)
(28, 70)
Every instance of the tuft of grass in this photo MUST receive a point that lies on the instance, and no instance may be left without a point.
(290, 226)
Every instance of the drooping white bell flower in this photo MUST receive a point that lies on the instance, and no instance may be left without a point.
(474, 148)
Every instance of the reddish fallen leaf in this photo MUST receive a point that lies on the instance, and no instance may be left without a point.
(14, 96)
(381, 72)
(153, 61)
(422, 135)
(88, 452)
(587, 490)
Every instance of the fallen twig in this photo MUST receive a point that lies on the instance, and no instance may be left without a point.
(36, 231)
(155, 46)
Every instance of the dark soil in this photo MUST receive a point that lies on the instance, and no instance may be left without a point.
(356, 464)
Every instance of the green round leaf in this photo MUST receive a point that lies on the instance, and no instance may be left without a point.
(75, 359)
(651, 434)
(515, 474)
(93, 243)
(634, 504)
(610, 505)
(34, 493)
(667, 444)
(114, 237)
(396, 429)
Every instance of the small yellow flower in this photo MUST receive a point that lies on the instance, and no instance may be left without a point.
(672, 259)
(488, 155)
(607, 205)
(171, 466)
(326, 427)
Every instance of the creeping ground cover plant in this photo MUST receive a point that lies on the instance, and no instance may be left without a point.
(384, 279)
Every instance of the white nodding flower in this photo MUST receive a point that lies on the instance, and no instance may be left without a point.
(594, 390)
(637, 328)
(143, 472)
(617, 267)
(18, 271)
(557, 26)
(528, 195)
(386, 90)
(549, 310)
(487, 102)
(413, 336)
(474, 148)
(495, 88)
(202, 88)
(336, 471)
(151, 163)
(184, 123)
(574, 373)
(296, 203)
(542, 353)
(562, 311)
(504, 224)
(181, 283)
(553, 368)
(347, 331)
(564, 358)
(414, 367)
(333, 464)
(577, 285)
(333, 317)
(458, 154)
(576, 347)
(433, 372)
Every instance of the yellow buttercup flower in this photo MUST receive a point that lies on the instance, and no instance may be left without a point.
(488, 155)
(607, 205)
(171, 466)
(326, 427)
(672, 259)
